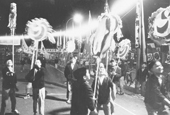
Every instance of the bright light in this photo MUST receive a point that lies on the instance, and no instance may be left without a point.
(122, 6)
(78, 18)
(83, 30)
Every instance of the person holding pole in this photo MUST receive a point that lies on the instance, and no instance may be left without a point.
(105, 91)
(82, 94)
(36, 77)
(8, 88)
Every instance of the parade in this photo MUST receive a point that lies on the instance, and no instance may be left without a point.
(89, 65)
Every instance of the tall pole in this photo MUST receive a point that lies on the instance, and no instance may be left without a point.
(12, 24)
(106, 9)
(143, 34)
(12, 33)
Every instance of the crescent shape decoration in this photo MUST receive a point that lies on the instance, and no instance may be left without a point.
(163, 28)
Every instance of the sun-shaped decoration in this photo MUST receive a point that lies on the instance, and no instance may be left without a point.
(39, 29)
(159, 26)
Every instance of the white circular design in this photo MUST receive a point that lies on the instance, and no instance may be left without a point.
(38, 29)
(124, 48)
(159, 26)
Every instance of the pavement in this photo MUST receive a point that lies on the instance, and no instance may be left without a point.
(55, 103)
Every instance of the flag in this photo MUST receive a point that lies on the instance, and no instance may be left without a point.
(137, 25)
(42, 49)
(99, 36)
(60, 40)
(87, 44)
(24, 46)
(108, 26)
(143, 40)
(51, 38)
(64, 42)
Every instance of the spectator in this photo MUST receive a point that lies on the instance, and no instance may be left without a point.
(9, 88)
(22, 63)
(43, 60)
(141, 77)
(106, 91)
(68, 73)
(82, 94)
(115, 75)
(155, 97)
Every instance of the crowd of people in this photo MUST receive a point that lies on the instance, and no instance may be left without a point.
(150, 82)
(86, 98)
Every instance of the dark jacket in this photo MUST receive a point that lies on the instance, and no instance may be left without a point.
(37, 78)
(82, 98)
(141, 76)
(9, 79)
(68, 72)
(56, 60)
(155, 93)
(104, 90)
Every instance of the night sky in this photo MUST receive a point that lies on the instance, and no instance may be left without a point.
(57, 12)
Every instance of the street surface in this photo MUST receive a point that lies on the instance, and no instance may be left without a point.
(128, 104)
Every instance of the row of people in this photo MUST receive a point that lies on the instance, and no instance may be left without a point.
(156, 95)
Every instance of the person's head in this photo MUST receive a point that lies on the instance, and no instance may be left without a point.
(113, 63)
(102, 70)
(144, 65)
(82, 74)
(38, 63)
(86, 64)
(155, 67)
(73, 59)
(9, 63)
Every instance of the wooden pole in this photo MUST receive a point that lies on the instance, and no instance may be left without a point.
(12, 34)
(36, 45)
(96, 76)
